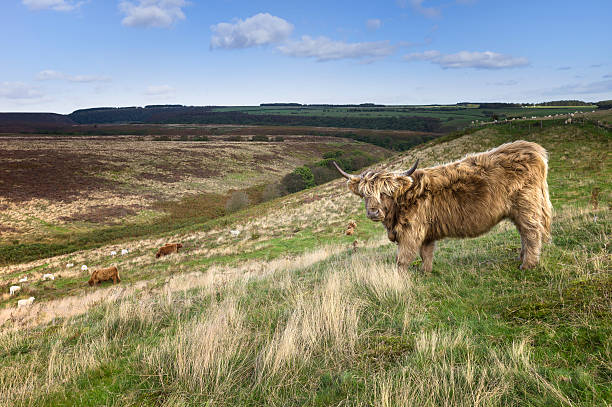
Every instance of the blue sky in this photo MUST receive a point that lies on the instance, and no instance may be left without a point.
(62, 55)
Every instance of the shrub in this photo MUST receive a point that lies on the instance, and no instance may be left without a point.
(306, 175)
(237, 201)
(323, 174)
(234, 138)
(260, 137)
(278, 138)
(201, 138)
(162, 138)
(270, 192)
(293, 182)
(332, 154)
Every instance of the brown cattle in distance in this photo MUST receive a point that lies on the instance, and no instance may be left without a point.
(109, 273)
(465, 198)
(168, 249)
(350, 229)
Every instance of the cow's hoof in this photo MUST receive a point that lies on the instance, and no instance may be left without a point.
(527, 266)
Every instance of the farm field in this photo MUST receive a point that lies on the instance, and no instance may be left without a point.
(288, 313)
(451, 116)
(64, 193)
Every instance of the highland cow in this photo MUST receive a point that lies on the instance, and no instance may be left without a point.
(109, 273)
(465, 198)
(168, 248)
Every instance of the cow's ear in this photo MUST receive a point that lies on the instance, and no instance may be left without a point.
(353, 186)
(405, 184)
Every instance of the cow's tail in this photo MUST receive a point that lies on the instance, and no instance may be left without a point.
(546, 206)
(546, 214)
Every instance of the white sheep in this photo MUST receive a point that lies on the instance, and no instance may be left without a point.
(124, 251)
(23, 303)
(13, 289)
(23, 280)
(48, 277)
(84, 267)
(235, 232)
(69, 265)
(113, 253)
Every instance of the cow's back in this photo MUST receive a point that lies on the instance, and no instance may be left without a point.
(466, 198)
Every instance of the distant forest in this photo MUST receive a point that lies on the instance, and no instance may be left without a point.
(205, 115)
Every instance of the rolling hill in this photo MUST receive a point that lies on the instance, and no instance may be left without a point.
(288, 313)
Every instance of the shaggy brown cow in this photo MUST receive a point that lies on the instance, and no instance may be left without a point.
(465, 198)
(109, 273)
(168, 249)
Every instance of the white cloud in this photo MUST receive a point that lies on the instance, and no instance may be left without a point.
(159, 90)
(467, 59)
(417, 5)
(50, 74)
(19, 90)
(57, 5)
(260, 29)
(373, 24)
(325, 49)
(152, 13)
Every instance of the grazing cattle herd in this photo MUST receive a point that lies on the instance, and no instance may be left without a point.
(465, 198)
(97, 276)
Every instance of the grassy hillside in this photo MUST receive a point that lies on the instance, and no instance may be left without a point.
(60, 194)
(288, 314)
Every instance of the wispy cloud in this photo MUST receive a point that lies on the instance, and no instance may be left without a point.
(582, 88)
(609, 75)
(325, 49)
(417, 5)
(373, 24)
(152, 13)
(49, 74)
(564, 68)
(159, 90)
(509, 82)
(19, 90)
(57, 5)
(260, 29)
(469, 59)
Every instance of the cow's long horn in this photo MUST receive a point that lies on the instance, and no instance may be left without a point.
(344, 174)
(411, 170)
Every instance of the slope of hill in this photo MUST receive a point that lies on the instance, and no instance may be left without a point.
(62, 193)
(288, 314)
(12, 122)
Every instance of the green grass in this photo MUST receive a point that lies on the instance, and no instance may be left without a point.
(452, 116)
(346, 329)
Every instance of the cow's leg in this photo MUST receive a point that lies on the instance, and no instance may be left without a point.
(526, 215)
(114, 279)
(531, 241)
(427, 251)
(406, 252)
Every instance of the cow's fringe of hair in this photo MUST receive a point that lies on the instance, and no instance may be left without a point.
(372, 184)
